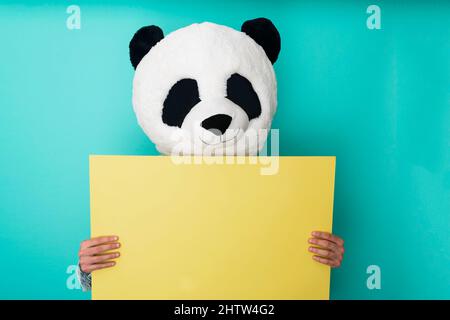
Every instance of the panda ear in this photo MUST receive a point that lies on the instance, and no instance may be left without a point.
(265, 34)
(141, 43)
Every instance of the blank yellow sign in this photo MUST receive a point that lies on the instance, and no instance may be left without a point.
(211, 231)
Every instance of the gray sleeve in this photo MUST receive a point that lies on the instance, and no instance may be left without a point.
(84, 278)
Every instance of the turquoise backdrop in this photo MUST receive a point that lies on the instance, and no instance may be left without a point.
(377, 99)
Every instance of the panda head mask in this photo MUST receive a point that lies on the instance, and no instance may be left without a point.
(206, 88)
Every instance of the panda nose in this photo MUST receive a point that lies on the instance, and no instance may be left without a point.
(217, 123)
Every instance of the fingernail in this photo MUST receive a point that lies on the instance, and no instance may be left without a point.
(315, 233)
(117, 245)
(117, 254)
(311, 240)
(311, 249)
(116, 238)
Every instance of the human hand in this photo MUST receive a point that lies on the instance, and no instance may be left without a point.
(328, 248)
(95, 253)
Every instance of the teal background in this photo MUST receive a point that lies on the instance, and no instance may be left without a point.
(377, 99)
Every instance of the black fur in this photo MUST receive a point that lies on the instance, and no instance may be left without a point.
(241, 92)
(182, 97)
(217, 124)
(265, 34)
(141, 43)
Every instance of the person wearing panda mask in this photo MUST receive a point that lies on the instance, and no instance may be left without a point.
(202, 90)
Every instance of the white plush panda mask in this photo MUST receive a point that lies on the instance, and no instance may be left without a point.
(206, 88)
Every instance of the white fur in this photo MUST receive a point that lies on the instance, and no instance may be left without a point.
(208, 53)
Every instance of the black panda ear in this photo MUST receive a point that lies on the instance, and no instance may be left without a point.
(265, 34)
(141, 43)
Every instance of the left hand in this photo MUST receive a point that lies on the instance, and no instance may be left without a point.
(328, 248)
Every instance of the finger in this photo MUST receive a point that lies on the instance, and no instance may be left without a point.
(99, 266)
(328, 236)
(322, 252)
(98, 241)
(99, 249)
(100, 258)
(329, 262)
(324, 244)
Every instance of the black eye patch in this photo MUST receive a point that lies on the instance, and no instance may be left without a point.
(182, 97)
(241, 92)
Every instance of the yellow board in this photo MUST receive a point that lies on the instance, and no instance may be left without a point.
(211, 231)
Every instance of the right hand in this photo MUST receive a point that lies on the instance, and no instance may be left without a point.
(96, 253)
